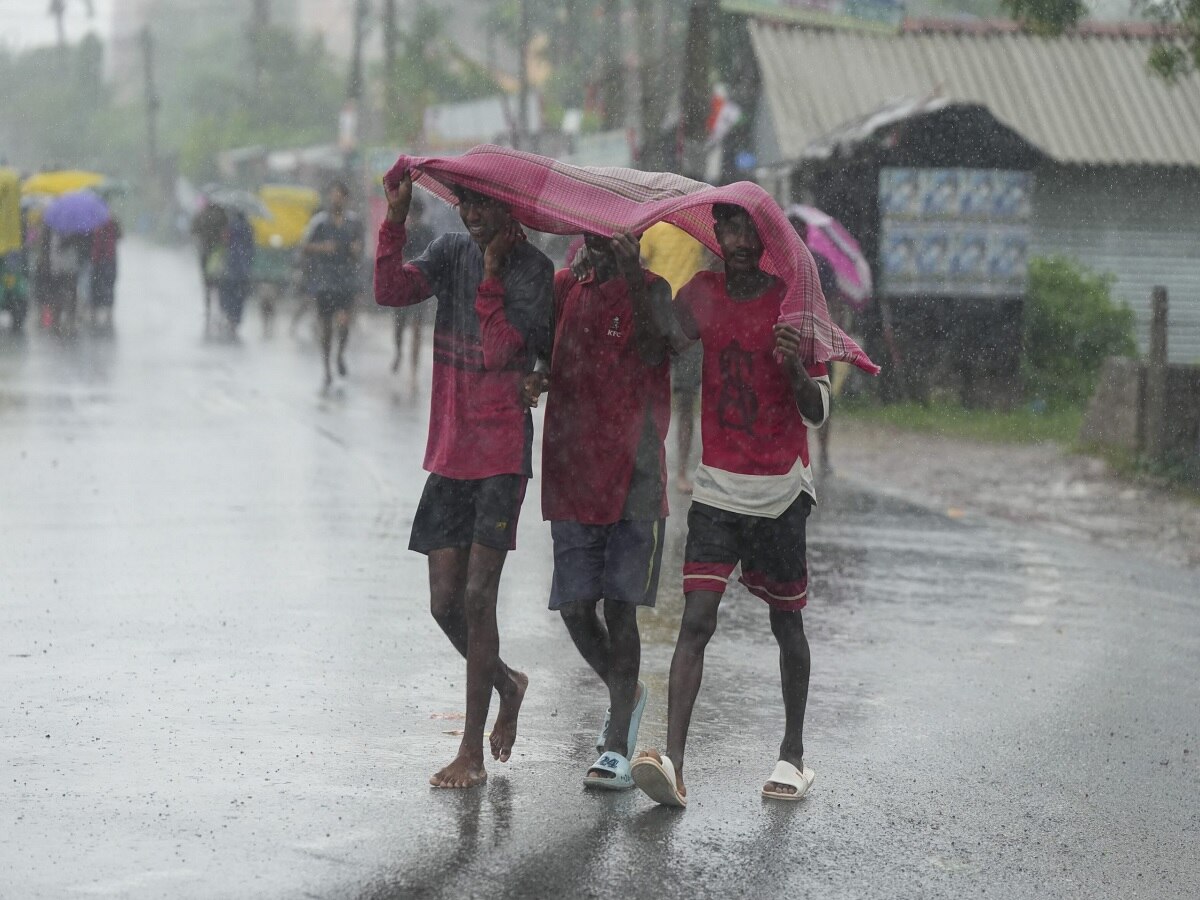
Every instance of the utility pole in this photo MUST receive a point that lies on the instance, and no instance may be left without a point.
(696, 89)
(389, 65)
(260, 21)
(611, 83)
(354, 87)
(523, 140)
(58, 9)
(152, 102)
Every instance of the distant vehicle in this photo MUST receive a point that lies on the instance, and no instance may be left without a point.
(14, 283)
(277, 239)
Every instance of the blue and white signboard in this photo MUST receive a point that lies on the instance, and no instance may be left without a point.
(954, 232)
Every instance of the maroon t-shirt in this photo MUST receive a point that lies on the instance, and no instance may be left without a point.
(749, 421)
(601, 393)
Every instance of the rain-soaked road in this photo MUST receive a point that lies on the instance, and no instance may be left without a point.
(220, 679)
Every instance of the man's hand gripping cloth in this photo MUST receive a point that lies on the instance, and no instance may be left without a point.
(551, 196)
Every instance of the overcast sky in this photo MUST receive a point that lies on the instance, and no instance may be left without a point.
(26, 23)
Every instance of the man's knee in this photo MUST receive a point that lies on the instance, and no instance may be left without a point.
(479, 599)
(619, 616)
(699, 624)
(787, 625)
(443, 605)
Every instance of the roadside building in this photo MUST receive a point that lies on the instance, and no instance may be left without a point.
(1114, 151)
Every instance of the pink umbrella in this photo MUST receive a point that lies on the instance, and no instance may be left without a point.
(827, 237)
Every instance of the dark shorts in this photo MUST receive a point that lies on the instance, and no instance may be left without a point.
(329, 302)
(457, 513)
(771, 551)
(606, 562)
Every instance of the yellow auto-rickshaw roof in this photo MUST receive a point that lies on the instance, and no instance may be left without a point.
(63, 181)
(10, 211)
(291, 208)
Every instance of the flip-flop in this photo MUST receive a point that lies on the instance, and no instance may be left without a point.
(786, 773)
(657, 780)
(621, 780)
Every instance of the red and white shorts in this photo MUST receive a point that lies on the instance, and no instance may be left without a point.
(771, 553)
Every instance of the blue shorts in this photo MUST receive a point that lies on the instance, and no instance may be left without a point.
(606, 562)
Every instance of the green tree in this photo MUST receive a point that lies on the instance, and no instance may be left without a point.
(1176, 54)
(1071, 325)
(430, 68)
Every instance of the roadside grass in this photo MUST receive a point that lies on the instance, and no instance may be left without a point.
(1018, 426)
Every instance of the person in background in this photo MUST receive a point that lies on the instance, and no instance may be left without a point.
(333, 249)
(104, 272)
(64, 263)
(676, 256)
(208, 229)
(234, 285)
(412, 318)
(839, 311)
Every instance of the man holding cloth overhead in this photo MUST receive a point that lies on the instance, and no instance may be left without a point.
(604, 474)
(494, 295)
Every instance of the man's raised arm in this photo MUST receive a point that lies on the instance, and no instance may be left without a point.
(397, 283)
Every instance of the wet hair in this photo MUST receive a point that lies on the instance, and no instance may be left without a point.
(723, 212)
(463, 194)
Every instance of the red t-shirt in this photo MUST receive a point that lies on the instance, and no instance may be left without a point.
(601, 392)
(485, 338)
(749, 421)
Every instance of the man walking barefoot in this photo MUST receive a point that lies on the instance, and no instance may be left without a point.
(494, 295)
(333, 248)
(604, 473)
(753, 493)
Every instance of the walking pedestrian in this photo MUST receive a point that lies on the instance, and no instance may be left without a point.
(208, 228)
(675, 255)
(104, 272)
(234, 284)
(754, 490)
(604, 473)
(494, 293)
(64, 263)
(332, 250)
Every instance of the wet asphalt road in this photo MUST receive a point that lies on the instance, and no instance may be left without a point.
(220, 678)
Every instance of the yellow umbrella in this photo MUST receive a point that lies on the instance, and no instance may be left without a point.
(10, 211)
(291, 207)
(61, 182)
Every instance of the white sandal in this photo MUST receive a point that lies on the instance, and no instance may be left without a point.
(657, 780)
(786, 773)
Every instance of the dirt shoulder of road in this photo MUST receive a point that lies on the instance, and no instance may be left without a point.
(1042, 484)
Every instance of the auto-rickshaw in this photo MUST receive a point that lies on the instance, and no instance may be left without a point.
(277, 240)
(14, 282)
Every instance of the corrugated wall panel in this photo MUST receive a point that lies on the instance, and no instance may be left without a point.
(1143, 226)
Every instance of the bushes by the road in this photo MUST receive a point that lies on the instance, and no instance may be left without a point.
(1071, 324)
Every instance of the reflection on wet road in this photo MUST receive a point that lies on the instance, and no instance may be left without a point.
(222, 679)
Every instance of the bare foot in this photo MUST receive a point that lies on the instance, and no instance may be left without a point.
(657, 757)
(504, 729)
(464, 772)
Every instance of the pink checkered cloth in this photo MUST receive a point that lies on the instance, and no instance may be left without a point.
(554, 197)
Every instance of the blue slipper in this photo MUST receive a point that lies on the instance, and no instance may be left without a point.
(635, 721)
(621, 779)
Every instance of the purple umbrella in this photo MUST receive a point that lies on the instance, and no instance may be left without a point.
(76, 213)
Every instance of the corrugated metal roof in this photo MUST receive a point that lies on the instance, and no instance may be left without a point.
(1081, 98)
